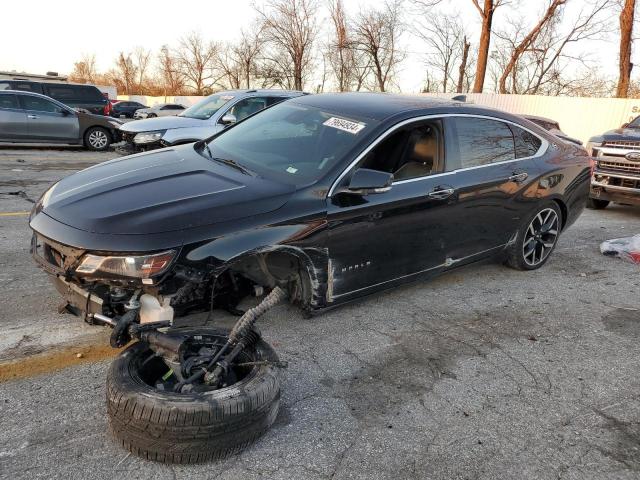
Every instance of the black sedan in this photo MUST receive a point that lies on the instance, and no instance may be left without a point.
(125, 108)
(320, 199)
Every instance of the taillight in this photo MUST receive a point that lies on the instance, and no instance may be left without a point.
(592, 164)
(107, 108)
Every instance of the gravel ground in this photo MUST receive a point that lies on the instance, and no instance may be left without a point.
(483, 373)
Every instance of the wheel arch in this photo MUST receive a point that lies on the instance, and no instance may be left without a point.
(563, 209)
(302, 271)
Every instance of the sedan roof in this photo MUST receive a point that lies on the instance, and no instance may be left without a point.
(377, 106)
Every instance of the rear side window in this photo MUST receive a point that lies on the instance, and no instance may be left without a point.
(61, 92)
(527, 144)
(9, 101)
(483, 141)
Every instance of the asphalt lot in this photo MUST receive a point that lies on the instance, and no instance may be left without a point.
(481, 374)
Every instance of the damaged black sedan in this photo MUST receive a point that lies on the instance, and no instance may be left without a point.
(319, 200)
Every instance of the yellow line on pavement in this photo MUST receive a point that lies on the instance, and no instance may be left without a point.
(13, 214)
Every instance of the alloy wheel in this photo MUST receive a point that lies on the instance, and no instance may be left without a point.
(540, 237)
(98, 139)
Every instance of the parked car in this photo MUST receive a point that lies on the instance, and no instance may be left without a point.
(33, 118)
(73, 95)
(616, 166)
(207, 117)
(159, 110)
(553, 127)
(321, 199)
(126, 108)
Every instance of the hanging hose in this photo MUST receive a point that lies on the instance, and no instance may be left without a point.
(241, 333)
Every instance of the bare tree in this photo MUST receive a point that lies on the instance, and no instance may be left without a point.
(527, 41)
(196, 58)
(376, 35)
(141, 59)
(124, 73)
(290, 29)
(229, 66)
(248, 51)
(84, 71)
(340, 53)
(627, 16)
(486, 14)
(171, 77)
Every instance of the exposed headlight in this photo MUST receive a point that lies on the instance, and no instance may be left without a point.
(143, 266)
(147, 137)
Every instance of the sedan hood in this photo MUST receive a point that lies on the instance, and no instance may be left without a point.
(160, 191)
(160, 123)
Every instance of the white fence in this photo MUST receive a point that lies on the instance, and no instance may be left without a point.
(579, 117)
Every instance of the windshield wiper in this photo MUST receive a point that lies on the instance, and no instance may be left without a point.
(226, 161)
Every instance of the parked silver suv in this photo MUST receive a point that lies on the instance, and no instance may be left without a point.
(207, 117)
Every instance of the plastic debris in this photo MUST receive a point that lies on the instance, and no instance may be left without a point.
(627, 248)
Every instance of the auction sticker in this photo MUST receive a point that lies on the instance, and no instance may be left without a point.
(345, 125)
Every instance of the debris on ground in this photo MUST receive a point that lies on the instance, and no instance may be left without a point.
(627, 248)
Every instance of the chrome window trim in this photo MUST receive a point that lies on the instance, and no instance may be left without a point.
(543, 147)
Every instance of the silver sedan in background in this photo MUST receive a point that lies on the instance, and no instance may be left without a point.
(160, 110)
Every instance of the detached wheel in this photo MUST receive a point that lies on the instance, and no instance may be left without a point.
(595, 204)
(97, 138)
(536, 239)
(192, 427)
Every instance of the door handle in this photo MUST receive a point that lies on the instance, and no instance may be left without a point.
(32, 116)
(441, 193)
(518, 177)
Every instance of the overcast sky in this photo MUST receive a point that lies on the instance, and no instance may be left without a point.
(42, 35)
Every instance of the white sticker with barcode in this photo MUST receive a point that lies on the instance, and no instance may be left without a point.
(345, 125)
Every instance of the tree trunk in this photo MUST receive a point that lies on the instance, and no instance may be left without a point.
(463, 64)
(483, 47)
(626, 32)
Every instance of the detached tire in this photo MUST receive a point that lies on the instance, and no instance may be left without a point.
(192, 427)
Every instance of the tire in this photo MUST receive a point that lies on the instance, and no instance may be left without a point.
(544, 242)
(97, 139)
(191, 427)
(595, 204)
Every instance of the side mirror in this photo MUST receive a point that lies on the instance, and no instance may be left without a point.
(228, 119)
(365, 181)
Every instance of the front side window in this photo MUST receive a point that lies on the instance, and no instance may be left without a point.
(410, 152)
(38, 104)
(292, 143)
(206, 107)
(248, 106)
(482, 141)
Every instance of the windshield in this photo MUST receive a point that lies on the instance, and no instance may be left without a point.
(291, 143)
(206, 107)
(635, 123)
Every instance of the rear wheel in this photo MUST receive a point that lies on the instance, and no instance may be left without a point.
(97, 138)
(595, 204)
(536, 239)
(154, 422)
